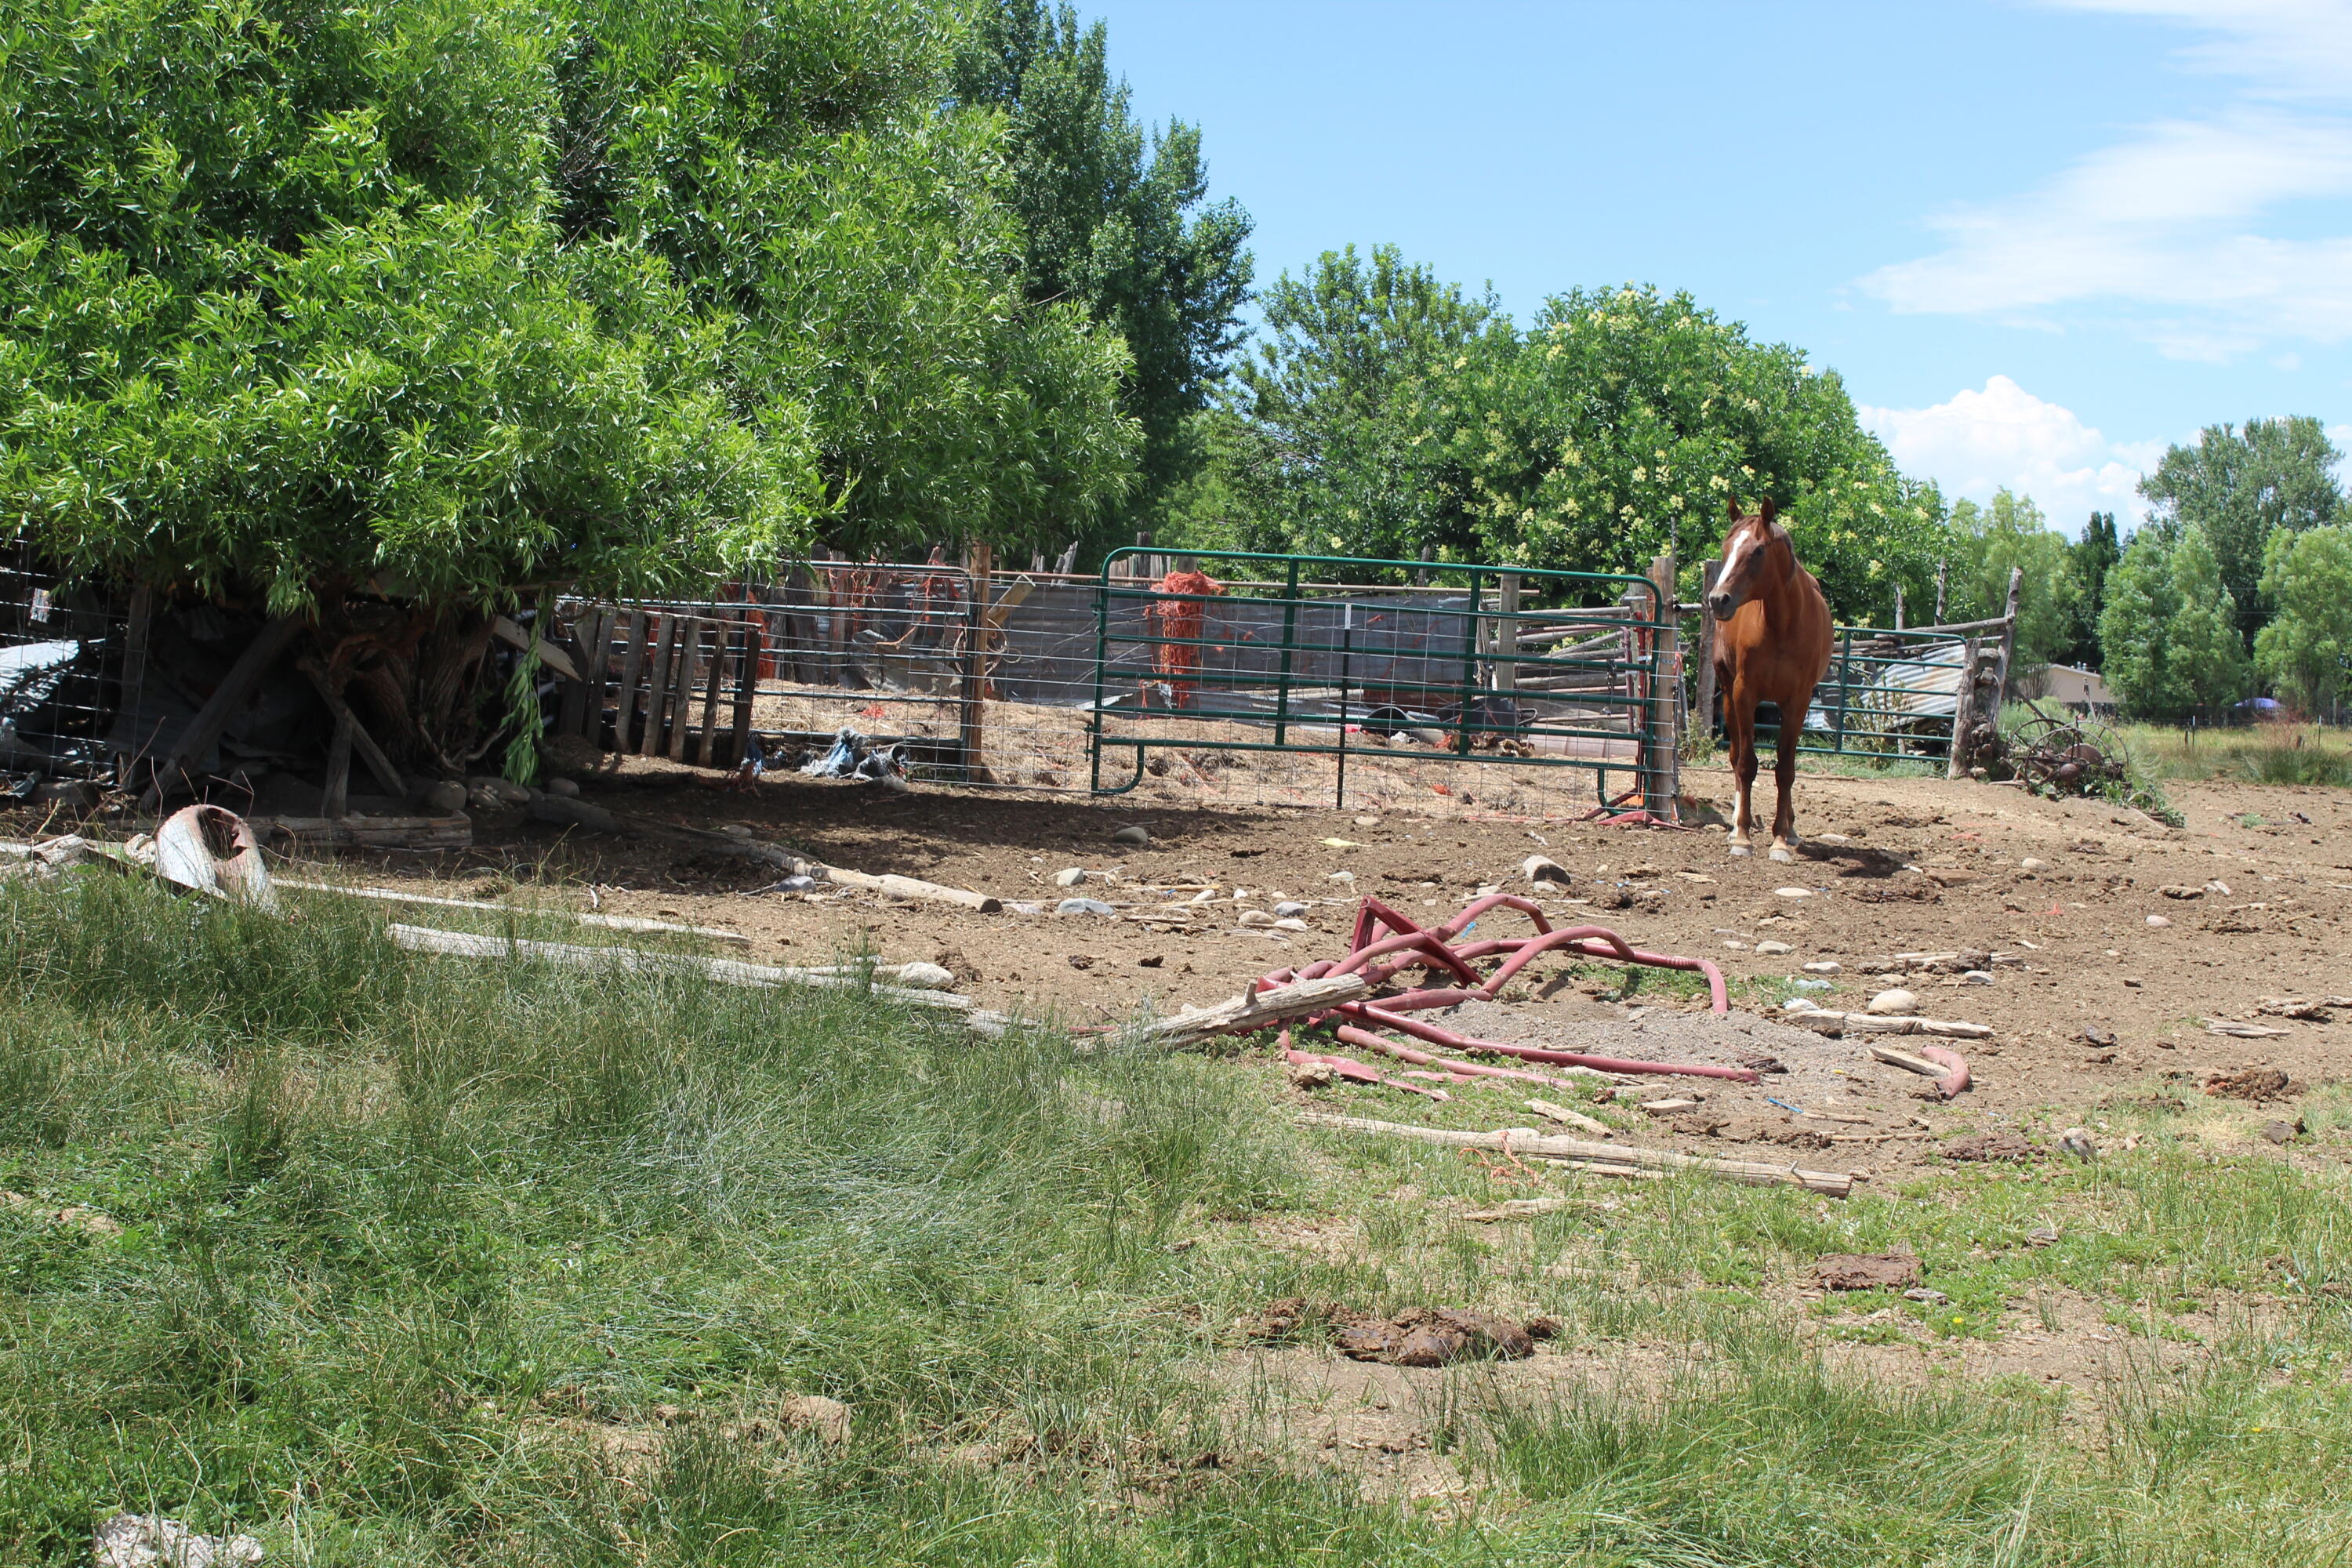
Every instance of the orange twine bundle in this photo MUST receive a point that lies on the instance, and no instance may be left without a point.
(1177, 661)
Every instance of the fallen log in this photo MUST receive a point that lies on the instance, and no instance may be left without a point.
(454, 832)
(725, 970)
(898, 886)
(1562, 1114)
(1527, 1141)
(1248, 1012)
(608, 922)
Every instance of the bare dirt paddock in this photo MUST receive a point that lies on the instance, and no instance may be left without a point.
(2091, 1001)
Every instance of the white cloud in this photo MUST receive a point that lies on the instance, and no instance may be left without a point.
(2005, 437)
(2164, 231)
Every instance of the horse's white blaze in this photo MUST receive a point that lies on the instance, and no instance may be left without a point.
(1741, 545)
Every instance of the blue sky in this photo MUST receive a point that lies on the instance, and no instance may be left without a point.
(2038, 240)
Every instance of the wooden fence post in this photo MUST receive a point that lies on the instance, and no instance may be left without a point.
(1703, 704)
(980, 562)
(2007, 639)
(1964, 707)
(1661, 779)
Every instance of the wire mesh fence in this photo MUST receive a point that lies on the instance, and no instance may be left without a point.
(1294, 680)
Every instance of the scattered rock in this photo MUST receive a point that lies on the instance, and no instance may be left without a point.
(1290, 909)
(1773, 949)
(1082, 961)
(1433, 1336)
(2306, 1007)
(446, 797)
(2182, 890)
(1824, 966)
(568, 788)
(1309, 1075)
(1792, 893)
(1083, 907)
(1153, 962)
(2095, 1035)
(1896, 1004)
(2282, 1131)
(1069, 877)
(1990, 1148)
(1543, 868)
(1137, 837)
(1257, 919)
(1975, 977)
(1930, 1297)
(1292, 922)
(2253, 1083)
(148, 1541)
(1866, 1270)
(2031, 864)
(2158, 921)
(2042, 1236)
(2078, 1142)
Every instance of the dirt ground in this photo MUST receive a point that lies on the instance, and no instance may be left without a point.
(2089, 1001)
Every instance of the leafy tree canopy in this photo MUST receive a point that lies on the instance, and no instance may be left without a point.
(2169, 628)
(455, 297)
(2242, 486)
(1985, 542)
(2305, 650)
(1387, 412)
(1123, 229)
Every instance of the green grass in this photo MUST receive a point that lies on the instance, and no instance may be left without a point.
(407, 1241)
(2268, 754)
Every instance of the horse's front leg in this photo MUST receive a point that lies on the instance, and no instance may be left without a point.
(1739, 726)
(1784, 773)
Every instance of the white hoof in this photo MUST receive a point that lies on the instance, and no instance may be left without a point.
(1740, 851)
(1780, 853)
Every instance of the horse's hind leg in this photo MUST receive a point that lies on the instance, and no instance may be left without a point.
(1784, 773)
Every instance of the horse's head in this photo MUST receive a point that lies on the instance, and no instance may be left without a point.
(1752, 553)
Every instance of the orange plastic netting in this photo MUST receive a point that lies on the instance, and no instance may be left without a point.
(1178, 661)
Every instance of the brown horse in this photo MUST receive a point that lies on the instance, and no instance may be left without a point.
(1773, 646)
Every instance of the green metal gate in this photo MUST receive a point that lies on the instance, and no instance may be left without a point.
(1331, 655)
(1888, 694)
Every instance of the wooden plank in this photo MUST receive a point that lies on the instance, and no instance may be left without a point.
(746, 688)
(682, 679)
(706, 749)
(649, 740)
(370, 753)
(1703, 708)
(204, 729)
(1663, 781)
(335, 799)
(597, 656)
(725, 970)
(1248, 1012)
(1527, 1141)
(632, 662)
(572, 707)
(980, 563)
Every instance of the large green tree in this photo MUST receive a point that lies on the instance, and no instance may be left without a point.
(2242, 486)
(1984, 543)
(1332, 437)
(2305, 650)
(1388, 411)
(437, 301)
(2091, 557)
(1115, 219)
(2169, 628)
